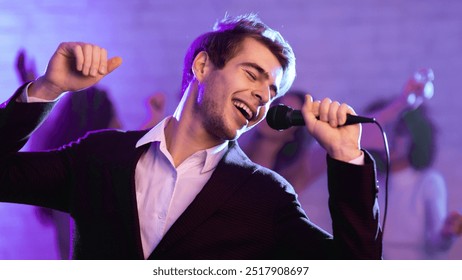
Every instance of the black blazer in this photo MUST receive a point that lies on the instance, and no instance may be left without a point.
(244, 211)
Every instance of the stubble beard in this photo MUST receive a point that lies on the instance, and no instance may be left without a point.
(214, 120)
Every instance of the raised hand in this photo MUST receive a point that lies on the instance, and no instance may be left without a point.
(74, 66)
(418, 88)
(26, 69)
(452, 225)
(156, 109)
(324, 120)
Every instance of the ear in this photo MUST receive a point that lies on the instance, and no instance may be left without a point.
(201, 65)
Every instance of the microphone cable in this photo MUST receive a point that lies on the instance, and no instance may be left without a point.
(387, 174)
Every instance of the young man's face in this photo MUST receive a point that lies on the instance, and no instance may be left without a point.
(234, 99)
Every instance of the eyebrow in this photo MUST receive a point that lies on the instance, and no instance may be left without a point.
(261, 71)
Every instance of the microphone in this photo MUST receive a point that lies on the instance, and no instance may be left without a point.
(281, 117)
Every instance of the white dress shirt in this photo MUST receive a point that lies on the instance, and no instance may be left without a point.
(163, 192)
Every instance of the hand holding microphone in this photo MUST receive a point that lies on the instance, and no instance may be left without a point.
(321, 118)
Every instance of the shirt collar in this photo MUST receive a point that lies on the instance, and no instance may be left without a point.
(213, 154)
(155, 134)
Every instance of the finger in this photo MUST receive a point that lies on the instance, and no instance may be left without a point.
(103, 62)
(333, 114)
(95, 61)
(307, 109)
(315, 109)
(78, 54)
(20, 64)
(308, 102)
(324, 109)
(342, 112)
(87, 58)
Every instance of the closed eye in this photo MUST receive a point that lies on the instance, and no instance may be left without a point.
(251, 75)
(274, 92)
(248, 67)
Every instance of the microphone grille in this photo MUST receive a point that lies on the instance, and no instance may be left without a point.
(278, 117)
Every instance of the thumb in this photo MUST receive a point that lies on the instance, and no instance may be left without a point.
(113, 63)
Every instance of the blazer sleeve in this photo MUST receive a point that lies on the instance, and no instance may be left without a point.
(26, 177)
(18, 121)
(354, 209)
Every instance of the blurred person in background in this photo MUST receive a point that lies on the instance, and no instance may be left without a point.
(418, 224)
(297, 156)
(289, 151)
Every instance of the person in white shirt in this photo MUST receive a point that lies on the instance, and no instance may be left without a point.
(418, 224)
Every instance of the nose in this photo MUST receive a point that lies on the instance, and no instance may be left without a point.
(262, 93)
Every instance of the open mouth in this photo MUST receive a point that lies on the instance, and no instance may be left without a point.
(244, 109)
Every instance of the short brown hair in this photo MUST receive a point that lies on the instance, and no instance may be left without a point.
(224, 41)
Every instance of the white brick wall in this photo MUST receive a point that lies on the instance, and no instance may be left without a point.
(354, 51)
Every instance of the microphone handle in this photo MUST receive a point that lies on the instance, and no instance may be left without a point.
(352, 119)
(295, 118)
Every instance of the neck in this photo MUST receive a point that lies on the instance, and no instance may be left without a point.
(184, 134)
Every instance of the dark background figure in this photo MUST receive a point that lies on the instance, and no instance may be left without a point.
(288, 151)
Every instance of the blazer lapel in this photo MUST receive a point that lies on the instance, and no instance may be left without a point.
(227, 178)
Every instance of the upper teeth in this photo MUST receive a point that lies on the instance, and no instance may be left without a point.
(245, 108)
